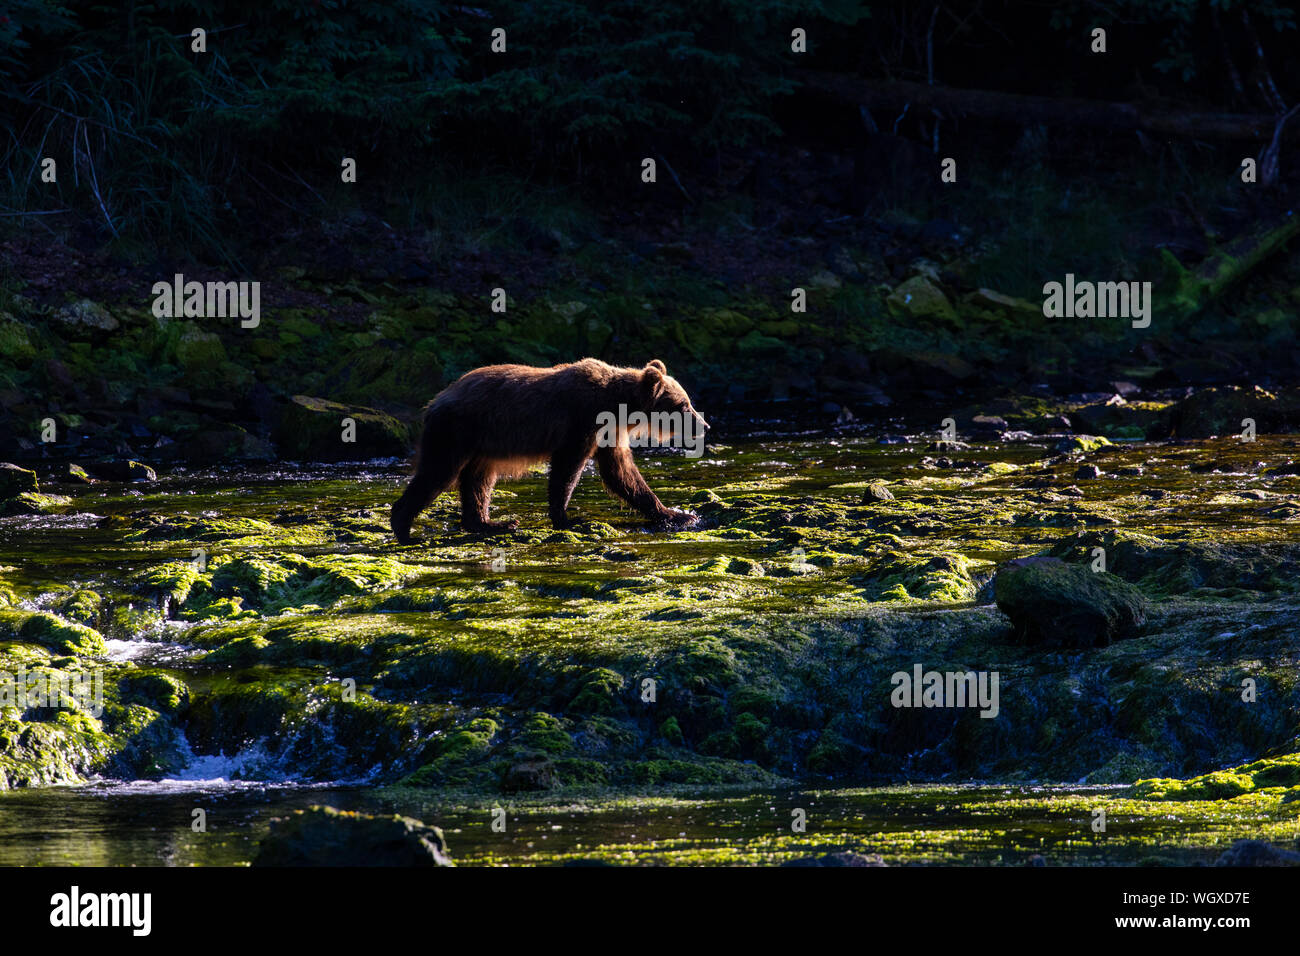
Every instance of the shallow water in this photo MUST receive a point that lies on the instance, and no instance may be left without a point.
(986, 515)
(150, 824)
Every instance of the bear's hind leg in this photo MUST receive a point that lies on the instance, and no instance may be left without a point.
(477, 479)
(430, 480)
(566, 469)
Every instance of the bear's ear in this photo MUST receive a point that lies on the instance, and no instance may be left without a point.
(652, 381)
(655, 363)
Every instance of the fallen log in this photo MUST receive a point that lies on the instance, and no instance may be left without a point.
(1229, 263)
(1020, 108)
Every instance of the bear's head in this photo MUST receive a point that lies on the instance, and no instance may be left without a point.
(666, 402)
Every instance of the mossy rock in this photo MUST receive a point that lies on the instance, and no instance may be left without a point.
(51, 631)
(312, 429)
(324, 836)
(920, 298)
(1051, 602)
(1224, 784)
(15, 481)
(33, 503)
(533, 772)
(122, 470)
(1220, 411)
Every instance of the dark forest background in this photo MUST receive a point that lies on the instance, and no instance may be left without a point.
(522, 170)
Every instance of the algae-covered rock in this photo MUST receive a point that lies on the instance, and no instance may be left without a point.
(87, 314)
(1222, 411)
(919, 298)
(32, 503)
(1081, 443)
(324, 836)
(841, 858)
(534, 772)
(904, 577)
(15, 481)
(122, 470)
(49, 630)
(1122, 419)
(1051, 602)
(877, 491)
(1266, 773)
(317, 429)
(1258, 853)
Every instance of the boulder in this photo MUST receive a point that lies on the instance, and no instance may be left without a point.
(535, 772)
(1257, 853)
(15, 481)
(312, 429)
(1220, 411)
(122, 470)
(876, 491)
(1051, 602)
(842, 858)
(87, 314)
(920, 298)
(324, 836)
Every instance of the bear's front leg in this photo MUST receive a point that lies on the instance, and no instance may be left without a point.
(623, 478)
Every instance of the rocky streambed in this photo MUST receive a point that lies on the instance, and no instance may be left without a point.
(258, 637)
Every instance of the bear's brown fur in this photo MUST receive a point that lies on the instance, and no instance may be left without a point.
(500, 420)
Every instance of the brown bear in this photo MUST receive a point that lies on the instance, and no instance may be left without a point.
(500, 420)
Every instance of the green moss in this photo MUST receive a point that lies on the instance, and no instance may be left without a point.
(1268, 773)
(49, 630)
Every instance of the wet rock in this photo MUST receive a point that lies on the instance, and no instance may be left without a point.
(1050, 424)
(842, 858)
(324, 836)
(989, 423)
(1088, 471)
(86, 314)
(128, 470)
(1289, 468)
(1051, 602)
(535, 772)
(1221, 411)
(926, 365)
(313, 429)
(947, 446)
(998, 302)
(920, 298)
(78, 474)
(877, 492)
(1130, 471)
(51, 631)
(1122, 419)
(226, 444)
(14, 481)
(1258, 853)
(1080, 443)
(32, 503)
